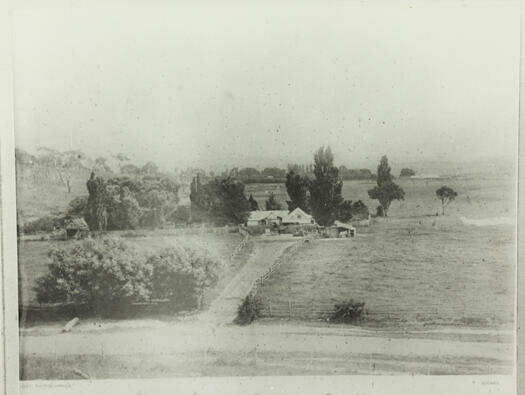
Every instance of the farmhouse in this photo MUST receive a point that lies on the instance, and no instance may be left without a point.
(266, 217)
(298, 217)
(76, 228)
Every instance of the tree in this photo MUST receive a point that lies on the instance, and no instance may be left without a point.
(446, 195)
(60, 162)
(220, 201)
(78, 206)
(254, 206)
(406, 172)
(360, 210)
(297, 187)
(181, 273)
(386, 193)
(325, 189)
(149, 168)
(386, 190)
(124, 211)
(272, 203)
(348, 210)
(345, 211)
(96, 211)
(383, 171)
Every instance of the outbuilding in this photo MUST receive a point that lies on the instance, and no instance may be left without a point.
(76, 228)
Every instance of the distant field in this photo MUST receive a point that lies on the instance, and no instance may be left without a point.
(412, 267)
(33, 260)
(478, 197)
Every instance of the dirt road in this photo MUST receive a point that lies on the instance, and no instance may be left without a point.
(269, 348)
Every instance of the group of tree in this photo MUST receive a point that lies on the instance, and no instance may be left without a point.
(321, 192)
(355, 174)
(127, 202)
(247, 173)
(219, 201)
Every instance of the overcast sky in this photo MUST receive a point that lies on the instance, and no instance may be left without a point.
(209, 86)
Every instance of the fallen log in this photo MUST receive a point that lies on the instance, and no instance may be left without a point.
(81, 374)
(70, 325)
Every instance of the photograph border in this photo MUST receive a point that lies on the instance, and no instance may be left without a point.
(9, 346)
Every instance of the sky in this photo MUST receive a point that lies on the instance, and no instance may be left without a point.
(245, 84)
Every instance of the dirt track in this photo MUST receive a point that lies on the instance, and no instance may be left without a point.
(224, 308)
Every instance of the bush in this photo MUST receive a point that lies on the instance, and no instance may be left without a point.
(102, 274)
(106, 273)
(181, 215)
(43, 225)
(348, 312)
(256, 230)
(182, 273)
(248, 311)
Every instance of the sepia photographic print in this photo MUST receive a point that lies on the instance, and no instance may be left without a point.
(266, 190)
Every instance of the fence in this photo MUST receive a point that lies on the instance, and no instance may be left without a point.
(241, 245)
(260, 281)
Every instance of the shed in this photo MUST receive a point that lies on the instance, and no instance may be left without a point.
(344, 230)
(76, 228)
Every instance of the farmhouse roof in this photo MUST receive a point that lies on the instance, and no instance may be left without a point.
(260, 215)
(77, 223)
(298, 216)
(339, 224)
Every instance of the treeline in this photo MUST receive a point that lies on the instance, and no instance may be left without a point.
(120, 203)
(315, 188)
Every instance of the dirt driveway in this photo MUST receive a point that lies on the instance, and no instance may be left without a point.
(223, 309)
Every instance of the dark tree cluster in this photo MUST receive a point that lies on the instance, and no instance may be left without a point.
(127, 203)
(355, 174)
(406, 172)
(272, 203)
(220, 201)
(298, 187)
(317, 189)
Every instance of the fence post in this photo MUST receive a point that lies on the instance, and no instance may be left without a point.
(289, 308)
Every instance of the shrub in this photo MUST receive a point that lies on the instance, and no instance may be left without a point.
(248, 311)
(256, 230)
(43, 225)
(348, 312)
(100, 273)
(182, 273)
(181, 215)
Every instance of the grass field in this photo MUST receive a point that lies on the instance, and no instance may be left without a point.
(411, 268)
(478, 197)
(33, 259)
